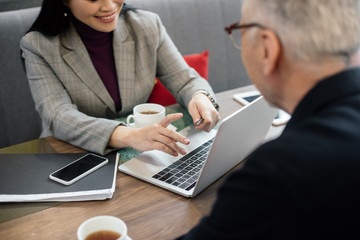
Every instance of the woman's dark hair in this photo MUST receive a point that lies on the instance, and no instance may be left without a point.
(52, 20)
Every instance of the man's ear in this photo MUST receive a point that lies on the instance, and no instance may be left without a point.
(271, 51)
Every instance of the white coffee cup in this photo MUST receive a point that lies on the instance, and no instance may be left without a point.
(145, 114)
(102, 223)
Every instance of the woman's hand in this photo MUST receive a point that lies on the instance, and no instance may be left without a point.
(153, 137)
(200, 107)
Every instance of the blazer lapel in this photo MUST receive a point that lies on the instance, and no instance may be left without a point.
(124, 53)
(76, 56)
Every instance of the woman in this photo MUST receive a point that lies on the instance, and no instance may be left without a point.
(90, 61)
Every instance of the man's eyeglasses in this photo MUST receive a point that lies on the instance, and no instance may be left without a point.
(236, 26)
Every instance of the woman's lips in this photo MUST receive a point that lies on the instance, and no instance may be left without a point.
(107, 18)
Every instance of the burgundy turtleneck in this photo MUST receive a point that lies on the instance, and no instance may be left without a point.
(100, 48)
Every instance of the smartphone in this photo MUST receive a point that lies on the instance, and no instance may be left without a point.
(78, 169)
(245, 98)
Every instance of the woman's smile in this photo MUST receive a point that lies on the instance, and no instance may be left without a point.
(107, 18)
(101, 15)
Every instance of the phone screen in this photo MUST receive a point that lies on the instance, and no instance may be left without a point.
(251, 98)
(79, 167)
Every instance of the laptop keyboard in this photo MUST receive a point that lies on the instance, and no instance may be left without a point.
(185, 172)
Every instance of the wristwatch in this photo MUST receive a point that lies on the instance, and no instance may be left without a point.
(211, 98)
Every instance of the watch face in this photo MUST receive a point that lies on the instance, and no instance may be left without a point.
(216, 105)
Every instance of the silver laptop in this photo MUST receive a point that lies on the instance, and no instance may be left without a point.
(209, 155)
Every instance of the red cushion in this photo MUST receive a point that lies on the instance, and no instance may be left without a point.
(198, 61)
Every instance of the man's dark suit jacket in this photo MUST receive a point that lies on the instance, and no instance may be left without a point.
(304, 184)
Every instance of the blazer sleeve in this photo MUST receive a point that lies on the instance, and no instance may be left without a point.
(54, 104)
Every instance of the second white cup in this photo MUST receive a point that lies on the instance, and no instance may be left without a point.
(145, 114)
(109, 226)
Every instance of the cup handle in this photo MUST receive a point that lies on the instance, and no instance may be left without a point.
(128, 121)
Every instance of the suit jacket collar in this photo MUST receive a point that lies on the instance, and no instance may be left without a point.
(124, 49)
(76, 56)
(328, 90)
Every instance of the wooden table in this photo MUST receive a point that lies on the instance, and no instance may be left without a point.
(149, 212)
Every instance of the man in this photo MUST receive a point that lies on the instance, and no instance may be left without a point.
(303, 57)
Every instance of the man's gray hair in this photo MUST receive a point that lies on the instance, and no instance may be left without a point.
(309, 28)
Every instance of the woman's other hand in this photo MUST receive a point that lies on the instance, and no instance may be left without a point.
(201, 109)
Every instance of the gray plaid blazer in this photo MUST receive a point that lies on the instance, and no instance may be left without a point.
(71, 98)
